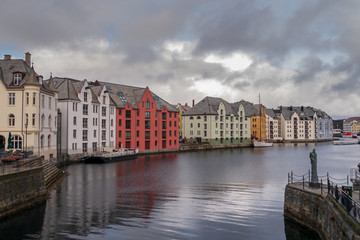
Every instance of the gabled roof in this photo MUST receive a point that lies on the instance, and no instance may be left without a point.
(249, 108)
(271, 113)
(183, 108)
(123, 94)
(210, 106)
(65, 88)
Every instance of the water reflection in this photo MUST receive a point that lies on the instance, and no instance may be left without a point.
(294, 231)
(222, 194)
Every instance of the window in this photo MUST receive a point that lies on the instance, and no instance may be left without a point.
(147, 105)
(85, 135)
(155, 123)
(119, 134)
(137, 122)
(169, 123)
(26, 119)
(42, 101)
(119, 111)
(104, 99)
(42, 141)
(169, 133)
(147, 135)
(137, 133)
(128, 135)
(75, 107)
(128, 114)
(49, 140)
(17, 78)
(163, 115)
(94, 121)
(147, 115)
(103, 135)
(49, 121)
(33, 119)
(95, 109)
(34, 98)
(85, 122)
(175, 133)
(155, 133)
(119, 122)
(85, 109)
(170, 115)
(94, 133)
(11, 98)
(103, 111)
(103, 123)
(85, 97)
(147, 124)
(112, 122)
(27, 98)
(42, 120)
(74, 121)
(74, 133)
(164, 134)
(112, 110)
(16, 142)
(49, 102)
(94, 146)
(84, 147)
(11, 120)
(205, 118)
(112, 133)
(163, 124)
(128, 124)
(137, 113)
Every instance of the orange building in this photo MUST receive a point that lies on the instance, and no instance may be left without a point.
(258, 123)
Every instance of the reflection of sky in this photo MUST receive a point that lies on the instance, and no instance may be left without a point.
(222, 194)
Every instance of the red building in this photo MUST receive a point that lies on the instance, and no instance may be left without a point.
(143, 120)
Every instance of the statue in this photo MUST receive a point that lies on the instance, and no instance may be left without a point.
(314, 177)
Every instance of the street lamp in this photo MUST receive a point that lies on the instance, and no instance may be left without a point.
(26, 152)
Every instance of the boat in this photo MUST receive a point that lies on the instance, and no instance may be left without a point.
(107, 157)
(261, 143)
(346, 141)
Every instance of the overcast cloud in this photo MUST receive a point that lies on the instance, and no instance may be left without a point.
(292, 52)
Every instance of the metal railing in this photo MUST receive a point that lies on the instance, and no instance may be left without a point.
(350, 205)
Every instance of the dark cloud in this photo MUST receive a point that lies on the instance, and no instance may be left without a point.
(309, 67)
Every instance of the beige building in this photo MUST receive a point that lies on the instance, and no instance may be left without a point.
(28, 119)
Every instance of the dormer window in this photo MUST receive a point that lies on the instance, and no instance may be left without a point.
(17, 78)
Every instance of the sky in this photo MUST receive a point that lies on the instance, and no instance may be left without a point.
(300, 53)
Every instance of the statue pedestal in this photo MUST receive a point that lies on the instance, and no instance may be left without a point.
(314, 185)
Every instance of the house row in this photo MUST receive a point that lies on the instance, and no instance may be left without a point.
(216, 121)
(61, 117)
(348, 125)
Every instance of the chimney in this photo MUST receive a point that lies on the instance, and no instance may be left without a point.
(193, 102)
(28, 59)
(7, 57)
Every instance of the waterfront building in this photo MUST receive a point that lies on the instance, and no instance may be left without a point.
(87, 116)
(348, 122)
(29, 109)
(182, 109)
(355, 127)
(216, 121)
(305, 124)
(143, 119)
(338, 126)
(246, 112)
(273, 127)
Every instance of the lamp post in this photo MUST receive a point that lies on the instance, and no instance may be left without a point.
(26, 152)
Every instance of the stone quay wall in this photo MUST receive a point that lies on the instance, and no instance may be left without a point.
(21, 190)
(319, 213)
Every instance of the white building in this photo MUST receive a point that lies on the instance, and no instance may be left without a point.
(87, 117)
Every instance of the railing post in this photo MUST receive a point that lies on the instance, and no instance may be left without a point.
(321, 187)
(309, 174)
(288, 177)
(328, 181)
(303, 182)
(292, 177)
(347, 179)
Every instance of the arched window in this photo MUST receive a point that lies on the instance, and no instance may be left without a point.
(49, 140)
(42, 120)
(11, 120)
(74, 121)
(42, 141)
(49, 121)
(16, 142)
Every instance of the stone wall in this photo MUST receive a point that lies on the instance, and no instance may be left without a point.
(320, 213)
(21, 190)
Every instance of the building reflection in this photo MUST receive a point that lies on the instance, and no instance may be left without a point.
(118, 194)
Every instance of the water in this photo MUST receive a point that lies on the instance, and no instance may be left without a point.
(222, 194)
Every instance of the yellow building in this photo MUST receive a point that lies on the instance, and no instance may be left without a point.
(182, 109)
(258, 123)
(23, 96)
(355, 127)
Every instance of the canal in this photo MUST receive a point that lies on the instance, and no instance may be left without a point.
(221, 194)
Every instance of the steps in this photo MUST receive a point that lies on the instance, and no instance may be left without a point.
(52, 175)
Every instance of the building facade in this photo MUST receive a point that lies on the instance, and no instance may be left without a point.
(143, 120)
(29, 109)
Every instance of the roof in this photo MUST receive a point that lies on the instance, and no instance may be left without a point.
(304, 113)
(249, 108)
(210, 106)
(8, 67)
(123, 94)
(65, 88)
(183, 108)
(271, 113)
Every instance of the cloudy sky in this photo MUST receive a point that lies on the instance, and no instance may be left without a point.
(291, 52)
